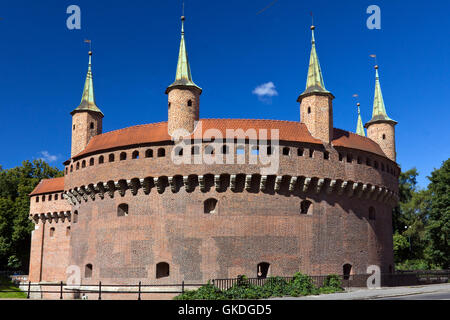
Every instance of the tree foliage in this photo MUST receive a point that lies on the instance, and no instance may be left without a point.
(15, 227)
(421, 221)
(438, 227)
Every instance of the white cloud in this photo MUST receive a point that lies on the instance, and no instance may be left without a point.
(265, 91)
(46, 156)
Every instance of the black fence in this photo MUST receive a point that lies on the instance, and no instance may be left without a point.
(409, 278)
(63, 291)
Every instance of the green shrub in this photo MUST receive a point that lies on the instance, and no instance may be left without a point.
(333, 281)
(301, 285)
(206, 292)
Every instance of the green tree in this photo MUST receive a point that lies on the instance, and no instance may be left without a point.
(438, 228)
(15, 228)
(409, 219)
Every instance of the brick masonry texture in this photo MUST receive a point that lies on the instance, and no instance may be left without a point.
(250, 225)
(181, 115)
(384, 135)
(316, 111)
(82, 131)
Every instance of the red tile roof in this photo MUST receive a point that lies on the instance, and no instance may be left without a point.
(288, 131)
(49, 186)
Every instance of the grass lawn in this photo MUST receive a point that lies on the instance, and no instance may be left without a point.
(5, 284)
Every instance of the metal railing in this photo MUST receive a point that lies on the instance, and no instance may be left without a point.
(62, 290)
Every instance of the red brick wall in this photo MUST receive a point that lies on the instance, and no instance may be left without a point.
(49, 255)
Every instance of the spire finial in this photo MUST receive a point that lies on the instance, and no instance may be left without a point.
(314, 82)
(312, 27)
(379, 109)
(183, 76)
(88, 97)
(359, 127)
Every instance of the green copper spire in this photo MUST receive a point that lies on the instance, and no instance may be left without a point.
(183, 76)
(314, 82)
(88, 98)
(379, 109)
(360, 127)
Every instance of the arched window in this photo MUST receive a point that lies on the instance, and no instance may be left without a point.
(91, 125)
(88, 271)
(49, 197)
(56, 197)
(68, 231)
(306, 207)
(347, 269)
(161, 152)
(262, 270)
(78, 166)
(37, 199)
(349, 158)
(384, 137)
(300, 152)
(91, 162)
(210, 205)
(240, 150)
(43, 198)
(75, 217)
(135, 155)
(123, 156)
(111, 157)
(309, 110)
(52, 232)
(371, 213)
(71, 168)
(341, 157)
(311, 153)
(83, 164)
(189, 103)
(286, 151)
(67, 170)
(149, 153)
(101, 159)
(162, 270)
(178, 151)
(326, 155)
(122, 210)
(209, 150)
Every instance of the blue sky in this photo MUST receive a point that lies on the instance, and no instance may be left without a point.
(232, 50)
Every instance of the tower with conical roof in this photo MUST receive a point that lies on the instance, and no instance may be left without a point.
(359, 126)
(183, 94)
(381, 128)
(316, 102)
(87, 117)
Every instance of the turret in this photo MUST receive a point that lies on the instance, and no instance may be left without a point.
(87, 117)
(359, 125)
(316, 103)
(183, 94)
(381, 128)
